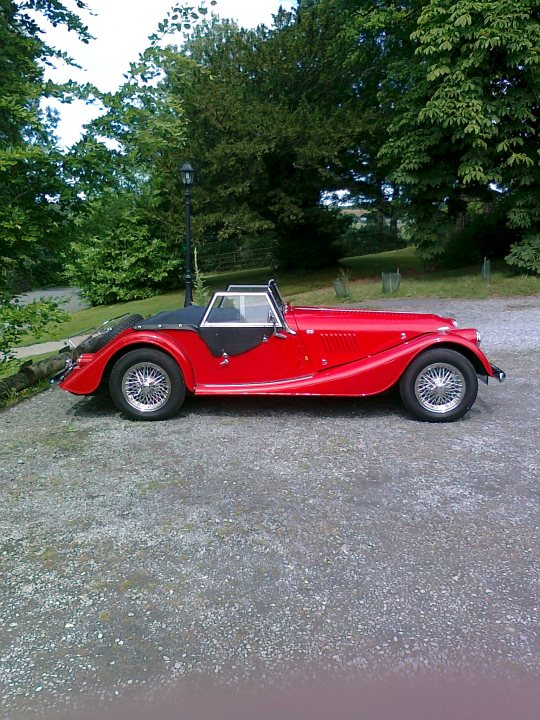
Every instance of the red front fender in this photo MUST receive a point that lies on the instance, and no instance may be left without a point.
(86, 376)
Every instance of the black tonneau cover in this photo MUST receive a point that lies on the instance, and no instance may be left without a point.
(189, 317)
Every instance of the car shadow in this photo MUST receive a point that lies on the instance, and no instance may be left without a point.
(259, 406)
(93, 406)
(265, 405)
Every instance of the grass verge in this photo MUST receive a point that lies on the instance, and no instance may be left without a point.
(12, 398)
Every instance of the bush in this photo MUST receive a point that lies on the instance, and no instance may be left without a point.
(525, 255)
(18, 320)
(125, 253)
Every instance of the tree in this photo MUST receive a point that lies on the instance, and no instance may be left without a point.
(31, 219)
(125, 174)
(270, 123)
(464, 90)
(32, 222)
(126, 169)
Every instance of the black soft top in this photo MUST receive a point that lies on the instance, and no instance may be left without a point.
(170, 319)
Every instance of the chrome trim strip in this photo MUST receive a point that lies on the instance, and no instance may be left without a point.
(240, 325)
(257, 384)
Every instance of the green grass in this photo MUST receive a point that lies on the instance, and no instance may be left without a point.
(316, 288)
(448, 286)
(365, 266)
(12, 398)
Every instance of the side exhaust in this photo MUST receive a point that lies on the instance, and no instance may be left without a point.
(498, 373)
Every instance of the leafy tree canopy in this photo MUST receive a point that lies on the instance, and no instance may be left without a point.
(463, 86)
(31, 219)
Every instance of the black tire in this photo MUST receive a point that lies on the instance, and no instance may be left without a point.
(439, 385)
(93, 344)
(161, 398)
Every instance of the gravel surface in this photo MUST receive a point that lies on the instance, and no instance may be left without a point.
(248, 539)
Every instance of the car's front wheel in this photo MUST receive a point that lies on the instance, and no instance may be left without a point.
(440, 385)
(147, 384)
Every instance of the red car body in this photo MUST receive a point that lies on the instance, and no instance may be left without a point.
(297, 351)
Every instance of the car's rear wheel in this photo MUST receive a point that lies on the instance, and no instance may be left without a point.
(440, 385)
(147, 384)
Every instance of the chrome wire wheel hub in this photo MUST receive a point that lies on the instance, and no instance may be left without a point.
(440, 387)
(146, 387)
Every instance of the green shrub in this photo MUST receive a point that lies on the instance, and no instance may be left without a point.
(125, 253)
(525, 255)
(18, 320)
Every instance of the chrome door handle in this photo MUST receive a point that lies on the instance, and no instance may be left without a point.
(225, 360)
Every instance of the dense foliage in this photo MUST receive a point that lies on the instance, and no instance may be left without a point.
(128, 240)
(33, 221)
(268, 138)
(270, 123)
(462, 79)
(422, 113)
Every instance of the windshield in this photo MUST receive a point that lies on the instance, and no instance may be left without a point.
(272, 288)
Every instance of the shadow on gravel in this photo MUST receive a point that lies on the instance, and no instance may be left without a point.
(93, 406)
(261, 406)
(315, 406)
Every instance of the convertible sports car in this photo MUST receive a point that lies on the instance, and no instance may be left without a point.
(248, 341)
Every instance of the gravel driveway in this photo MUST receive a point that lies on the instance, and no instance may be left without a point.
(69, 298)
(250, 538)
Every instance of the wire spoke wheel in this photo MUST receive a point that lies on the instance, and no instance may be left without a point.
(440, 387)
(146, 386)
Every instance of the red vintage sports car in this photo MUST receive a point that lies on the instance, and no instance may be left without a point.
(248, 341)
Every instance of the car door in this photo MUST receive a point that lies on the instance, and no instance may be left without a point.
(248, 342)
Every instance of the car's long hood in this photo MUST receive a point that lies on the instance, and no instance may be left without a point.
(354, 320)
(335, 336)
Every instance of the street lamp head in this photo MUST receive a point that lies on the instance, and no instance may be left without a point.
(188, 174)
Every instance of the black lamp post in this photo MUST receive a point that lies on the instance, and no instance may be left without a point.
(188, 175)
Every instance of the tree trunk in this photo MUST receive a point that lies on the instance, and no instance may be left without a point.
(30, 374)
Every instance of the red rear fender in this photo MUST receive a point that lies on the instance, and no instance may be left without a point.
(87, 376)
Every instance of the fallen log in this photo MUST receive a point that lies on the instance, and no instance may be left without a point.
(31, 373)
(44, 368)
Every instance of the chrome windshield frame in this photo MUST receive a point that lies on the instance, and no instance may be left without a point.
(219, 295)
(269, 291)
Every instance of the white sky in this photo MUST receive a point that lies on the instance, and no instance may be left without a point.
(121, 29)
